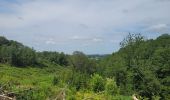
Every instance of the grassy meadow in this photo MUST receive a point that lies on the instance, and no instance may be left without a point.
(32, 83)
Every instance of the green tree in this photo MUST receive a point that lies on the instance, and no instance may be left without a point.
(81, 63)
(3, 41)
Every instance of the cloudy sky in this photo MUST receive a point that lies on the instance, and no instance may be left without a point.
(91, 26)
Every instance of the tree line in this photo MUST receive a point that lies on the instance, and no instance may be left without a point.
(16, 54)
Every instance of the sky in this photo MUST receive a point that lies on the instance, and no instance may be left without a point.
(90, 26)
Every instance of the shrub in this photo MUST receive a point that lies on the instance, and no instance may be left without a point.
(111, 87)
(97, 83)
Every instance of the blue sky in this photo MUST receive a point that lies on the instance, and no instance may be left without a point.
(91, 26)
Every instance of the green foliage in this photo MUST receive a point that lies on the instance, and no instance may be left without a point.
(23, 57)
(140, 66)
(25, 95)
(3, 40)
(97, 83)
(56, 80)
(53, 57)
(79, 80)
(81, 63)
(111, 87)
(16, 54)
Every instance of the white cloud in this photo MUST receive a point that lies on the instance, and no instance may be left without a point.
(79, 22)
(88, 39)
(97, 40)
(160, 28)
(50, 41)
(76, 37)
(94, 14)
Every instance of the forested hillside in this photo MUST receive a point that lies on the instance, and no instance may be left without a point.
(141, 67)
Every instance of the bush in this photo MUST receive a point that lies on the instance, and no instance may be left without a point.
(111, 87)
(97, 83)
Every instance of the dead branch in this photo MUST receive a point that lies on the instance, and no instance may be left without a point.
(3, 97)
